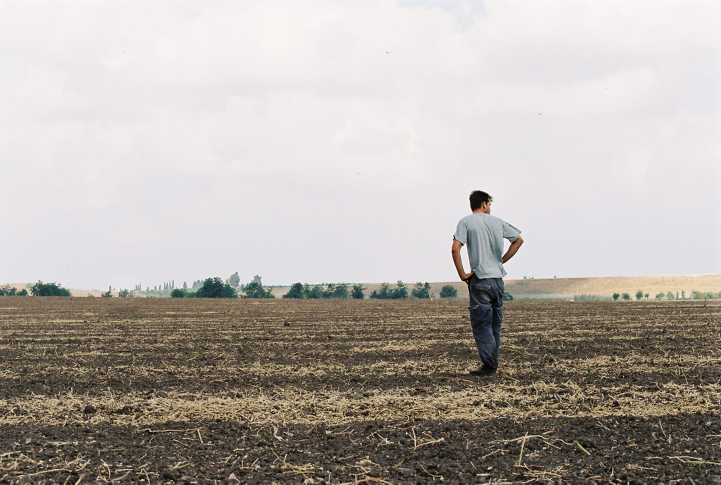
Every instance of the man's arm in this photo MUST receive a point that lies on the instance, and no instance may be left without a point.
(513, 249)
(456, 253)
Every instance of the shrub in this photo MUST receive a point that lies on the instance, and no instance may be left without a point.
(449, 291)
(616, 296)
(255, 290)
(382, 293)
(331, 290)
(385, 293)
(125, 294)
(48, 289)
(339, 292)
(296, 291)
(107, 294)
(670, 296)
(626, 296)
(215, 288)
(8, 290)
(357, 292)
(507, 297)
(399, 293)
(659, 296)
(422, 291)
(177, 293)
(639, 295)
(585, 297)
(312, 292)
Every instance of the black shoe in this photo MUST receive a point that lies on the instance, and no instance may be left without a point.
(483, 373)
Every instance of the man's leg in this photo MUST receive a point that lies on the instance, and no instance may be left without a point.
(496, 328)
(482, 319)
(497, 306)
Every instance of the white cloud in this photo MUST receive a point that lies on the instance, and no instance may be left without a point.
(349, 133)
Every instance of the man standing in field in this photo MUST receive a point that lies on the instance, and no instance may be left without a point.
(483, 236)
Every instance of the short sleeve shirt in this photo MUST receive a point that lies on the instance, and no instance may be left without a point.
(483, 235)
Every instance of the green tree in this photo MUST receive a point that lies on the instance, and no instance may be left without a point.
(421, 291)
(382, 293)
(399, 293)
(616, 296)
(312, 292)
(328, 291)
(639, 295)
(295, 291)
(255, 290)
(357, 293)
(449, 291)
(340, 292)
(670, 296)
(507, 297)
(48, 289)
(626, 296)
(215, 288)
(22, 292)
(125, 294)
(234, 280)
(659, 296)
(8, 290)
(177, 293)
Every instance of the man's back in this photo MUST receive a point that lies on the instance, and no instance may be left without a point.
(483, 235)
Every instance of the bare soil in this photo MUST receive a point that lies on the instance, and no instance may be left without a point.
(211, 391)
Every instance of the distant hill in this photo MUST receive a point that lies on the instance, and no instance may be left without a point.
(543, 288)
(568, 287)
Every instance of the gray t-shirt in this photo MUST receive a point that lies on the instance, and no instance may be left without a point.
(483, 235)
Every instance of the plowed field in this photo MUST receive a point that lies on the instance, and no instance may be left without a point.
(131, 390)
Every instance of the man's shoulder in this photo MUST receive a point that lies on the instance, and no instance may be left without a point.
(481, 218)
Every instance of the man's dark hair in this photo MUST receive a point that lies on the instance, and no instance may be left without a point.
(477, 198)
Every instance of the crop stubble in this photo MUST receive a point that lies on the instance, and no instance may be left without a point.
(344, 391)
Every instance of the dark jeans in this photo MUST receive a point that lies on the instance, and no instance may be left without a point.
(486, 307)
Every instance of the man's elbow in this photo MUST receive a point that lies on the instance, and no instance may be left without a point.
(456, 248)
(519, 240)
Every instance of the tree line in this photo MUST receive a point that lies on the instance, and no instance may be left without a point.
(231, 288)
(421, 291)
(38, 289)
(216, 288)
(695, 295)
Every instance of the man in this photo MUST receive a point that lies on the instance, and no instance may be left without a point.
(483, 236)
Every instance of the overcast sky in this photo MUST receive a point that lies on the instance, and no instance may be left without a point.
(327, 141)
